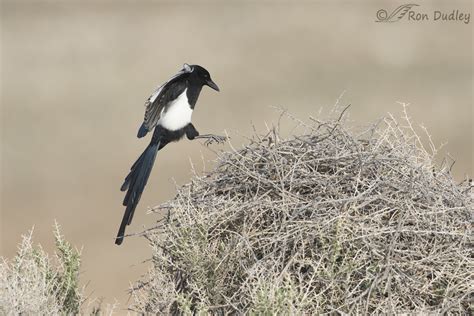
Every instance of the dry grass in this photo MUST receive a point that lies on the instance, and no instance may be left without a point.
(32, 284)
(333, 220)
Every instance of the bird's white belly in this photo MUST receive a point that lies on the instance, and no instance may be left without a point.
(177, 115)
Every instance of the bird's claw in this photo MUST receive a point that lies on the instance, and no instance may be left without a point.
(215, 139)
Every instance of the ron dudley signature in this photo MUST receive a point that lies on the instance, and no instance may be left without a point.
(410, 12)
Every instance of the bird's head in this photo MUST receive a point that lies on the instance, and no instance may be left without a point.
(201, 75)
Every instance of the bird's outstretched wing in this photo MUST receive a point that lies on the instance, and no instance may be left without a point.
(160, 98)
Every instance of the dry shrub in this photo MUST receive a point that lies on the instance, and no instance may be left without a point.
(333, 220)
(32, 284)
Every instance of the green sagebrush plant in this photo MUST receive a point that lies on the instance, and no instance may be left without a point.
(33, 284)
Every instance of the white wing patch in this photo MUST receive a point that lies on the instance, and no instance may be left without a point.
(177, 114)
(156, 93)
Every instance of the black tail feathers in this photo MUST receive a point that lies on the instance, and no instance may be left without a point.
(134, 184)
(142, 131)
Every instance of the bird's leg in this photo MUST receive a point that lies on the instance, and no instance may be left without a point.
(192, 133)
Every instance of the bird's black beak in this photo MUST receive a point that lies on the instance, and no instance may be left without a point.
(212, 84)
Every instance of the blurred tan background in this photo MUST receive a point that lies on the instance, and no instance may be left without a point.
(75, 75)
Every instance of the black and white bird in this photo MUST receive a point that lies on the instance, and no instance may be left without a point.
(168, 112)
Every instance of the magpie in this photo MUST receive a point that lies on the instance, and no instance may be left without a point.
(168, 113)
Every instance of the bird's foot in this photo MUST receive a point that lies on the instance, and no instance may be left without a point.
(215, 139)
(211, 138)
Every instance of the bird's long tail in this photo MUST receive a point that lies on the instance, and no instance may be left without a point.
(135, 183)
